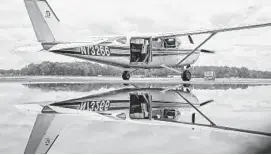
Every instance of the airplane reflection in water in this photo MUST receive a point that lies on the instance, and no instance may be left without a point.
(145, 105)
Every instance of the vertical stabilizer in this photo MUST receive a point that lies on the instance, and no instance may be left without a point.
(46, 24)
(46, 131)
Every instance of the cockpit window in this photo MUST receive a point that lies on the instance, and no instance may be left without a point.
(122, 40)
(170, 43)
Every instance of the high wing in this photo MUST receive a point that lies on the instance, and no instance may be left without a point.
(212, 33)
(162, 35)
(219, 30)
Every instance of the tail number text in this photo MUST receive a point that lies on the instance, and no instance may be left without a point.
(95, 105)
(95, 50)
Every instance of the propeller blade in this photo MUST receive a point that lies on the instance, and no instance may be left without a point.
(190, 39)
(206, 102)
(193, 118)
(207, 51)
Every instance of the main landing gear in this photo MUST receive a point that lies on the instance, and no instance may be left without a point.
(126, 75)
(186, 76)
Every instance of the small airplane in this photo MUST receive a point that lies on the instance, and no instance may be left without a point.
(132, 52)
(147, 106)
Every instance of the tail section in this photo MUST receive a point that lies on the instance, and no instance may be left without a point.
(40, 141)
(46, 130)
(45, 22)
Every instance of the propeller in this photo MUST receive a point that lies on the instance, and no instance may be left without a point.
(207, 51)
(190, 39)
(202, 50)
(206, 102)
(197, 48)
(193, 118)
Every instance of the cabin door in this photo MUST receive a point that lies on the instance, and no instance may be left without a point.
(140, 106)
(140, 51)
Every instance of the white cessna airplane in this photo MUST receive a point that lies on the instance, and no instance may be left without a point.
(144, 51)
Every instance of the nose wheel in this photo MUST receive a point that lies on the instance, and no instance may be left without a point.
(186, 76)
(125, 75)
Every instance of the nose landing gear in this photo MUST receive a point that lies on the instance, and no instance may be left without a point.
(186, 74)
(126, 74)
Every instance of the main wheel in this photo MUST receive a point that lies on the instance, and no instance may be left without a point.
(125, 75)
(186, 75)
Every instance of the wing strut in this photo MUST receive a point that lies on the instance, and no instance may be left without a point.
(172, 69)
(171, 88)
(196, 48)
(212, 123)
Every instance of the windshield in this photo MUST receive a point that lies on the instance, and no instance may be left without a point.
(122, 40)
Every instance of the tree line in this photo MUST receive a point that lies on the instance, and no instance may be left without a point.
(90, 87)
(92, 69)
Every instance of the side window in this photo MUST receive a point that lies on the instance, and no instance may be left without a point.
(122, 40)
(170, 43)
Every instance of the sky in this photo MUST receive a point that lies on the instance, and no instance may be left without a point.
(109, 17)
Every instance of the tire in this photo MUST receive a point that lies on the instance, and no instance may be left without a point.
(125, 75)
(186, 85)
(186, 75)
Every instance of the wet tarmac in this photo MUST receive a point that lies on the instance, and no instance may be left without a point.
(118, 80)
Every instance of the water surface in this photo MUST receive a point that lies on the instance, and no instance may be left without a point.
(238, 106)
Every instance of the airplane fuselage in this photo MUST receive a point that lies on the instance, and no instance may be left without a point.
(119, 55)
(120, 100)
